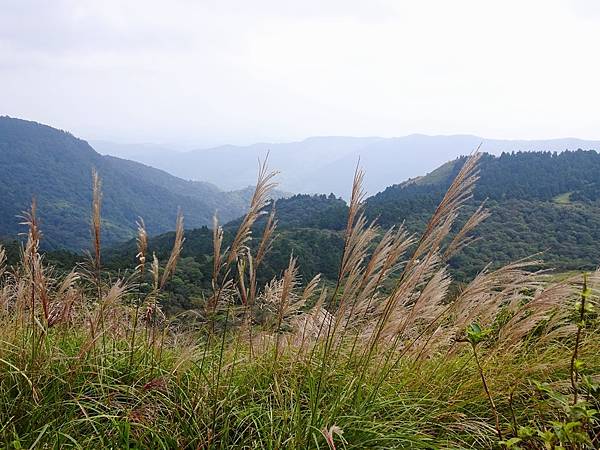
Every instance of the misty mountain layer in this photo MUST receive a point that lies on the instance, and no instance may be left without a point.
(326, 164)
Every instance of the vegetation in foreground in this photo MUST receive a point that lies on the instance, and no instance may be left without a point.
(390, 356)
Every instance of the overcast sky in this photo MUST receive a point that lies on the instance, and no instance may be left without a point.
(208, 72)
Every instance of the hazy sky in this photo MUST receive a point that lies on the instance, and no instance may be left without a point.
(240, 71)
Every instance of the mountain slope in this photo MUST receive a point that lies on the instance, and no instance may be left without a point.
(530, 176)
(55, 167)
(326, 164)
(541, 203)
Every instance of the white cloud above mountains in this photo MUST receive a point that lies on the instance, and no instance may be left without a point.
(209, 72)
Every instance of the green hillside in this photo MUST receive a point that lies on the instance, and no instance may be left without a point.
(55, 167)
(525, 193)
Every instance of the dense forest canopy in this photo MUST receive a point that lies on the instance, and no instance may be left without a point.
(542, 203)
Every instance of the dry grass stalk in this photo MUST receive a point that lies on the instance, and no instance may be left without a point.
(357, 197)
(408, 301)
(429, 304)
(480, 301)
(285, 302)
(106, 308)
(354, 273)
(238, 254)
(308, 326)
(112, 297)
(385, 260)
(463, 237)
(355, 227)
(61, 308)
(142, 247)
(2, 260)
(263, 248)
(254, 263)
(96, 217)
(282, 305)
(142, 251)
(241, 282)
(175, 252)
(153, 314)
(529, 314)
(260, 198)
(457, 194)
(96, 245)
(31, 259)
(482, 298)
(425, 259)
(357, 238)
(220, 283)
(217, 246)
(155, 272)
(267, 237)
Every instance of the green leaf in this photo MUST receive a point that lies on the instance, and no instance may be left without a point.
(526, 432)
(511, 443)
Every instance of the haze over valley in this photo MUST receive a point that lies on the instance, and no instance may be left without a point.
(323, 164)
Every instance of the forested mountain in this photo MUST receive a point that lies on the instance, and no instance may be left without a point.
(319, 211)
(541, 203)
(304, 222)
(55, 167)
(532, 176)
(322, 164)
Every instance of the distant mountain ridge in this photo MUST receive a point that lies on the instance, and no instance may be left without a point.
(326, 164)
(55, 167)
